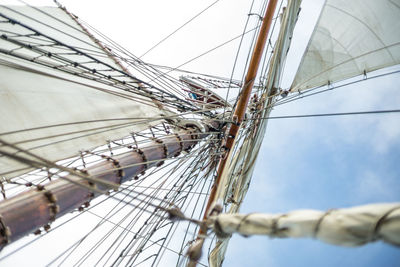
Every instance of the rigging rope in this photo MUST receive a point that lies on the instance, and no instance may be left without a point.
(204, 53)
(330, 114)
(180, 27)
(310, 92)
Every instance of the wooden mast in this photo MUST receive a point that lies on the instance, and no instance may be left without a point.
(28, 211)
(240, 109)
(238, 115)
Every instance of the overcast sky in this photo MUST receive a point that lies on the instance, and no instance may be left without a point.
(317, 163)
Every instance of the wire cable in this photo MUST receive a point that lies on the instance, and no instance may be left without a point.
(180, 27)
(329, 114)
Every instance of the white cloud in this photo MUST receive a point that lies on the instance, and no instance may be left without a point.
(371, 186)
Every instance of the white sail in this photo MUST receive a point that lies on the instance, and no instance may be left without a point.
(351, 38)
(345, 227)
(81, 113)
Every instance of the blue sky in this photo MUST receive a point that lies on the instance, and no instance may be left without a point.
(319, 163)
(324, 163)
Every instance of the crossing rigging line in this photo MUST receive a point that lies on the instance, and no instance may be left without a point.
(329, 114)
(180, 27)
(204, 53)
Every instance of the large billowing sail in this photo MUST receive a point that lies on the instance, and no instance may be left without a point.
(351, 38)
(58, 87)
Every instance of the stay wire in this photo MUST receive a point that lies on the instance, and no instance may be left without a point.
(97, 61)
(108, 215)
(54, 228)
(143, 207)
(194, 209)
(189, 172)
(319, 90)
(251, 46)
(180, 27)
(185, 170)
(128, 249)
(126, 229)
(329, 114)
(204, 53)
(121, 233)
(193, 187)
(237, 56)
(195, 174)
(144, 67)
(158, 169)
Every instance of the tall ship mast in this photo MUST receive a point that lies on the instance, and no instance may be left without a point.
(107, 159)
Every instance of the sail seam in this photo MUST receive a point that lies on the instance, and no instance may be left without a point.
(346, 61)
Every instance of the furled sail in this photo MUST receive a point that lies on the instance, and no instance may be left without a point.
(60, 90)
(351, 38)
(354, 226)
